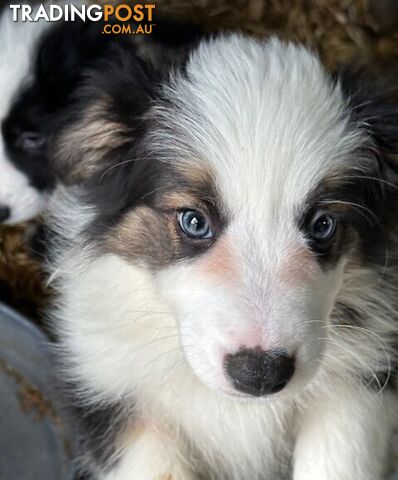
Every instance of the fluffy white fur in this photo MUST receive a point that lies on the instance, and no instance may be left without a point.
(268, 122)
(17, 42)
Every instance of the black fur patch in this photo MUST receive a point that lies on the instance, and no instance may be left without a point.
(373, 106)
(96, 430)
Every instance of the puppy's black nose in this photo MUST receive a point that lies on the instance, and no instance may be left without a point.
(257, 372)
(4, 213)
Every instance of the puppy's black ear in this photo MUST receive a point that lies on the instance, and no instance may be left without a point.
(373, 106)
(176, 34)
(68, 48)
(65, 51)
(169, 43)
(372, 103)
(104, 118)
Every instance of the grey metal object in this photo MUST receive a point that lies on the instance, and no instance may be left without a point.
(33, 438)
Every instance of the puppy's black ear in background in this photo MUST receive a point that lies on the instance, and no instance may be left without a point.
(373, 105)
(71, 47)
(169, 43)
(102, 117)
(65, 52)
(173, 33)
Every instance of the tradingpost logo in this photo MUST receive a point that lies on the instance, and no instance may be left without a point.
(118, 19)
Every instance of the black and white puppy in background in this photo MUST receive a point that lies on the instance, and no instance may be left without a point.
(228, 284)
(41, 66)
(19, 197)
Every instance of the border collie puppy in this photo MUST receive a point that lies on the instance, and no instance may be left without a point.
(41, 72)
(228, 285)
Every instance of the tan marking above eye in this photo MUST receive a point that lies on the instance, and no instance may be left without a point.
(177, 201)
(196, 172)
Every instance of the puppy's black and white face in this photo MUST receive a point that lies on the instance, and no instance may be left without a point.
(242, 206)
(22, 145)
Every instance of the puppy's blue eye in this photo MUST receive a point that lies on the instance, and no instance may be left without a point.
(323, 228)
(195, 225)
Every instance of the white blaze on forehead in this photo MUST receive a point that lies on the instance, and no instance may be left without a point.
(264, 115)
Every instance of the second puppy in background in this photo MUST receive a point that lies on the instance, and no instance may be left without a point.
(42, 64)
(22, 190)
